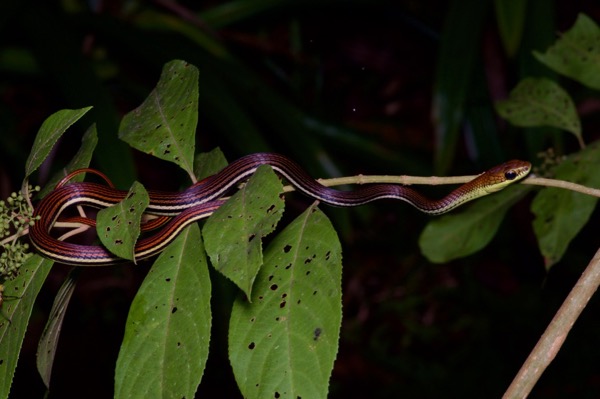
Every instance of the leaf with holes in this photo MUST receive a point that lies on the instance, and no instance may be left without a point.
(165, 124)
(561, 214)
(285, 342)
(233, 234)
(118, 226)
(540, 102)
(19, 297)
(53, 127)
(167, 334)
(576, 53)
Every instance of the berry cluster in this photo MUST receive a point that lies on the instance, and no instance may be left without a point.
(16, 216)
(549, 162)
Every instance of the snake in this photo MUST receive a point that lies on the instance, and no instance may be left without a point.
(202, 199)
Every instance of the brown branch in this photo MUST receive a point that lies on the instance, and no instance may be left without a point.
(556, 332)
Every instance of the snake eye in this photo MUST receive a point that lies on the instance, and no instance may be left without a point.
(510, 175)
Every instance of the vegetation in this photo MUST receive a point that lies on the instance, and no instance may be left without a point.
(427, 301)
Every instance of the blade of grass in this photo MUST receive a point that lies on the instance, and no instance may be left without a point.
(459, 49)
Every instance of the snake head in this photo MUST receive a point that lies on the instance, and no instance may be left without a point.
(504, 174)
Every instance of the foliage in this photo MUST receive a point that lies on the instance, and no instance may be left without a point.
(576, 54)
(541, 102)
(169, 324)
(458, 235)
(407, 326)
(119, 225)
(168, 328)
(560, 215)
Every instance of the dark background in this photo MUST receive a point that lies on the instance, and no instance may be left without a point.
(343, 87)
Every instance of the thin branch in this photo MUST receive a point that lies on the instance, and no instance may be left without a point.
(26, 193)
(556, 332)
(402, 179)
(375, 179)
(14, 237)
(567, 185)
(438, 180)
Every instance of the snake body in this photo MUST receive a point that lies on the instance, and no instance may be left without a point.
(202, 199)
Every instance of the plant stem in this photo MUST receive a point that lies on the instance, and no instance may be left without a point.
(567, 185)
(556, 332)
(437, 180)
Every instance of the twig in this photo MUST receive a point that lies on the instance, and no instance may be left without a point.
(556, 332)
(437, 180)
(402, 179)
(14, 237)
(540, 181)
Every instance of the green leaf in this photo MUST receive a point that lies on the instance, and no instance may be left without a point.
(118, 226)
(540, 102)
(561, 214)
(165, 124)
(167, 334)
(49, 339)
(19, 297)
(461, 234)
(81, 160)
(209, 163)
(576, 53)
(510, 17)
(284, 344)
(53, 127)
(233, 234)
